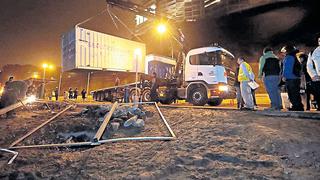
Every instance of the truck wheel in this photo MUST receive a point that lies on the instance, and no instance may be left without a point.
(99, 96)
(198, 97)
(215, 102)
(132, 95)
(146, 95)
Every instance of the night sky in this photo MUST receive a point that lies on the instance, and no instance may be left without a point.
(31, 30)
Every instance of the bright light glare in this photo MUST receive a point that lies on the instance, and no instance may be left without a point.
(161, 28)
(50, 67)
(137, 52)
(31, 99)
(44, 65)
(223, 88)
(1, 90)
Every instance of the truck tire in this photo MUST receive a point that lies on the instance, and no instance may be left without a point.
(215, 102)
(132, 94)
(146, 95)
(198, 97)
(100, 98)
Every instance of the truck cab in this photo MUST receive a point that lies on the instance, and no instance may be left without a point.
(209, 74)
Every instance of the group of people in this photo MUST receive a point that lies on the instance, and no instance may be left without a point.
(297, 72)
(73, 94)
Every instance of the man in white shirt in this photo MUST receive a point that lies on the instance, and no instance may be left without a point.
(313, 68)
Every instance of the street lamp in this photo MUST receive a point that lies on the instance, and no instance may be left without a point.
(161, 28)
(45, 67)
(137, 55)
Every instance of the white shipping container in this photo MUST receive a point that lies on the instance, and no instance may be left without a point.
(87, 49)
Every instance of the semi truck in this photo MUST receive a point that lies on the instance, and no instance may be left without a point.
(203, 76)
(207, 77)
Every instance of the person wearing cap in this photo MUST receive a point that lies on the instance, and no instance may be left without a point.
(291, 74)
(305, 80)
(313, 68)
(56, 93)
(244, 77)
(154, 87)
(269, 72)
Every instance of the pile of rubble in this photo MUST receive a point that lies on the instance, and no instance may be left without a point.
(123, 116)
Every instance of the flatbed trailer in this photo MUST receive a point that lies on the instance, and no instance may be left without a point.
(123, 93)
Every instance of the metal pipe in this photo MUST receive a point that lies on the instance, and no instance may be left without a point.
(53, 145)
(165, 121)
(136, 139)
(13, 152)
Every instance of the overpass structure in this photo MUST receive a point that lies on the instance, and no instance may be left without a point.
(220, 8)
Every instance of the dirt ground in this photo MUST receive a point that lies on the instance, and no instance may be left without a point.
(210, 144)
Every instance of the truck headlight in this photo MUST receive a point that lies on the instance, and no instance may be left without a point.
(223, 88)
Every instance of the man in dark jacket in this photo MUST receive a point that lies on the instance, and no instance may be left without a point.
(56, 93)
(291, 77)
(269, 72)
(83, 94)
(154, 86)
(238, 91)
(305, 79)
(70, 93)
(75, 93)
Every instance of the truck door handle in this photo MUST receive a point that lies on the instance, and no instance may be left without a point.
(200, 74)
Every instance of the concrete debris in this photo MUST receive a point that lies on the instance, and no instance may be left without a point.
(139, 123)
(123, 116)
(115, 126)
(118, 120)
(130, 121)
(84, 111)
(119, 112)
(101, 119)
(95, 111)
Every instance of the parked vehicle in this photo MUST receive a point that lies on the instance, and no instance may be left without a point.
(207, 77)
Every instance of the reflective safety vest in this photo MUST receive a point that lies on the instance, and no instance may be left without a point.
(242, 76)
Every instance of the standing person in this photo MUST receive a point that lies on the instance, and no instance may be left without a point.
(245, 76)
(313, 68)
(154, 87)
(238, 91)
(291, 75)
(56, 93)
(65, 95)
(269, 72)
(75, 93)
(116, 83)
(116, 80)
(9, 81)
(83, 94)
(70, 93)
(306, 81)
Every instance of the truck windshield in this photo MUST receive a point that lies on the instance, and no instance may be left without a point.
(213, 58)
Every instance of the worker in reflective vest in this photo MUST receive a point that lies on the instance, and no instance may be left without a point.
(245, 76)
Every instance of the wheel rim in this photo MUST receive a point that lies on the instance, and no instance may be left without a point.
(146, 96)
(197, 96)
